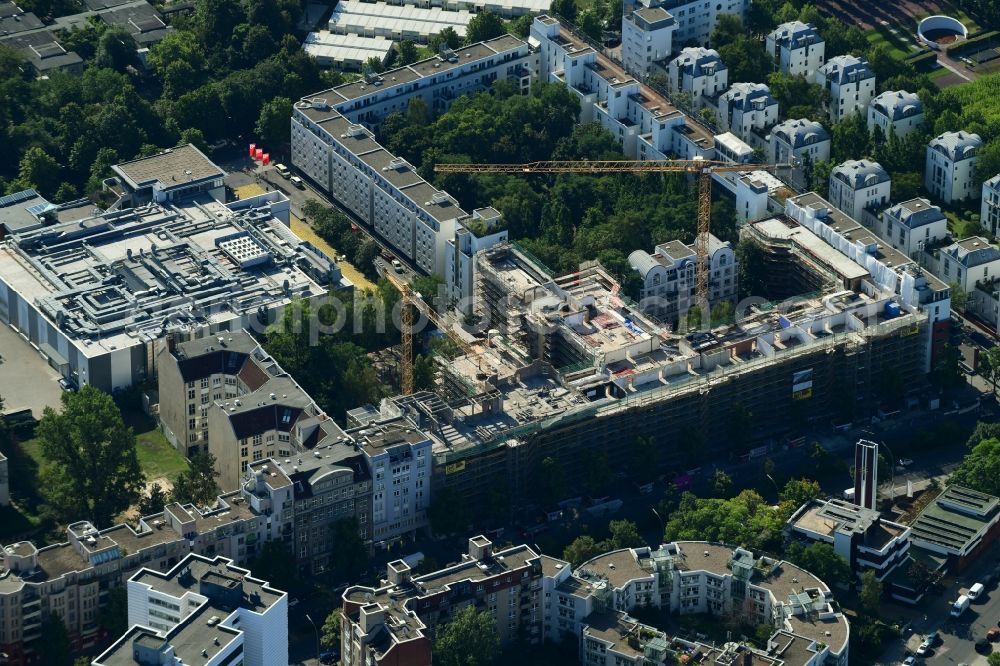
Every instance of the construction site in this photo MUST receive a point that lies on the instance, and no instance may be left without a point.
(571, 370)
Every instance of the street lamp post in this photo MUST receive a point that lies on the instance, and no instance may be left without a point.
(775, 484)
(663, 527)
(316, 631)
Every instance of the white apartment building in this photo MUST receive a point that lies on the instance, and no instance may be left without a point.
(989, 215)
(950, 167)
(646, 124)
(797, 48)
(792, 140)
(698, 72)
(895, 111)
(912, 225)
(647, 39)
(732, 149)
(695, 19)
(859, 184)
(481, 231)
(203, 611)
(668, 276)
(755, 192)
(746, 107)
(857, 534)
(399, 459)
(968, 262)
(851, 84)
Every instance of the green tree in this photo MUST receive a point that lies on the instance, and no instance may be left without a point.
(94, 472)
(822, 560)
(850, 138)
(470, 639)
(870, 594)
(273, 125)
(906, 185)
(565, 8)
(799, 491)
(745, 520)
(407, 52)
(983, 430)
(624, 534)
(114, 613)
(752, 267)
(722, 483)
(591, 24)
(274, 564)
(196, 138)
(582, 549)
(980, 469)
(483, 26)
(643, 460)
(40, 171)
(993, 659)
(447, 513)
(349, 556)
(374, 65)
(448, 37)
(424, 372)
(115, 49)
(330, 634)
(54, 646)
(154, 501)
(989, 364)
(197, 484)
(920, 573)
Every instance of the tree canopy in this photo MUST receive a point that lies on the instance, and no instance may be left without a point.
(197, 484)
(93, 469)
(470, 639)
(980, 469)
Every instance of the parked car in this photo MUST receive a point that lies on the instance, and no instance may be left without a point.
(975, 591)
(910, 660)
(983, 646)
(396, 266)
(993, 635)
(297, 182)
(67, 384)
(905, 462)
(282, 170)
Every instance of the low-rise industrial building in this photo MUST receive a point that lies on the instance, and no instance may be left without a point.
(395, 22)
(959, 524)
(950, 167)
(797, 48)
(203, 611)
(857, 185)
(895, 111)
(346, 52)
(859, 535)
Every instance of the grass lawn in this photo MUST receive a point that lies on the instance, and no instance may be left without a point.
(882, 35)
(157, 457)
(938, 73)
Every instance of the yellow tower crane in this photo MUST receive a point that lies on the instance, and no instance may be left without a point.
(703, 168)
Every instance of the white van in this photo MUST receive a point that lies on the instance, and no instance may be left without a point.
(975, 591)
(960, 606)
(282, 170)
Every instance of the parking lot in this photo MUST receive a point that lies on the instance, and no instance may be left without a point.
(26, 379)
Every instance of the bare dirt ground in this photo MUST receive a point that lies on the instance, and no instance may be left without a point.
(866, 14)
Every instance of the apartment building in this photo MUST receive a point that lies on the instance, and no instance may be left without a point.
(950, 167)
(202, 611)
(895, 111)
(332, 146)
(794, 140)
(989, 215)
(74, 579)
(99, 295)
(797, 48)
(645, 123)
(859, 535)
(959, 524)
(851, 84)
(398, 457)
(747, 110)
(699, 72)
(396, 622)
(331, 484)
(756, 193)
(733, 150)
(969, 262)
(687, 577)
(695, 20)
(668, 276)
(856, 185)
(647, 40)
(912, 226)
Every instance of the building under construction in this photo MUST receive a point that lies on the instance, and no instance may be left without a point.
(573, 371)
